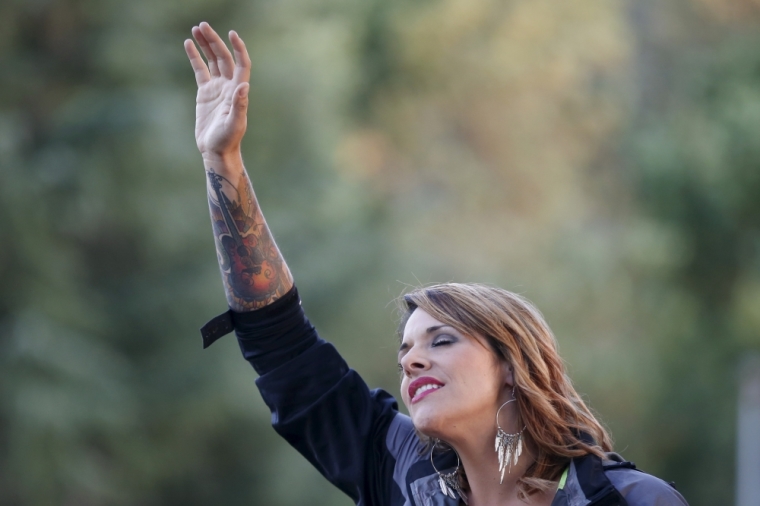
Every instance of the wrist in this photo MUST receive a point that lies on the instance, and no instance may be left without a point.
(223, 162)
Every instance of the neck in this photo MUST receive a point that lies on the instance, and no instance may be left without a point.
(481, 464)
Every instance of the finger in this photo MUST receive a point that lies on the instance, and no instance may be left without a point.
(239, 114)
(242, 60)
(223, 55)
(199, 66)
(213, 66)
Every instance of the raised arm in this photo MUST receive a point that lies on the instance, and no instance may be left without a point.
(253, 270)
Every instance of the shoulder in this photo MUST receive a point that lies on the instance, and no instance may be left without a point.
(642, 489)
(402, 440)
(612, 478)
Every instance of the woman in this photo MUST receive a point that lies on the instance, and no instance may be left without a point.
(493, 418)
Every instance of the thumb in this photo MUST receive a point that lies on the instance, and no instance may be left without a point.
(239, 105)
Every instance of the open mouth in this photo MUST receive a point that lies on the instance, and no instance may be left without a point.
(422, 387)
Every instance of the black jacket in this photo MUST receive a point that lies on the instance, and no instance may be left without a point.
(357, 438)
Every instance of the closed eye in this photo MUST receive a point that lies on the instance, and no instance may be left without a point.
(442, 341)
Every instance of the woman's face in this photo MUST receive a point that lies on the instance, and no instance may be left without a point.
(452, 384)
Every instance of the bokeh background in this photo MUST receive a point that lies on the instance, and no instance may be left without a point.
(600, 157)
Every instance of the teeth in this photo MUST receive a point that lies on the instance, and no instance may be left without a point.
(425, 388)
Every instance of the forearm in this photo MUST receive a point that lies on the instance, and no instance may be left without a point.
(254, 272)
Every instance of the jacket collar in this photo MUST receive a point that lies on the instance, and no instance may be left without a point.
(586, 485)
(427, 492)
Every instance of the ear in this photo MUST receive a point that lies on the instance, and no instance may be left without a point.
(508, 374)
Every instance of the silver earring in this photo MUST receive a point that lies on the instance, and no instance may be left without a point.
(449, 482)
(507, 446)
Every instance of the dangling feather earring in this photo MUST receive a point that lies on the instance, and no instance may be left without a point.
(507, 446)
(449, 482)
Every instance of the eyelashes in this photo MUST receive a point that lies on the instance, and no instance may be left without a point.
(442, 341)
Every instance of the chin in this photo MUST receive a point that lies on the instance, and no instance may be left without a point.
(429, 424)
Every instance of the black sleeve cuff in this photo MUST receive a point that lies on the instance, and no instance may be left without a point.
(270, 336)
(221, 325)
(217, 327)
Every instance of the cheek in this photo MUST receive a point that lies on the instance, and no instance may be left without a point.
(482, 379)
(403, 392)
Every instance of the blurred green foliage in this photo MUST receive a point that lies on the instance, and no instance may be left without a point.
(699, 180)
(600, 158)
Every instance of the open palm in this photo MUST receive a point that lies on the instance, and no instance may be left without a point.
(222, 100)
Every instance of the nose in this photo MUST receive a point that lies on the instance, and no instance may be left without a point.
(414, 361)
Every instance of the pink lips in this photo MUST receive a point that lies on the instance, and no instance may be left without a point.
(421, 382)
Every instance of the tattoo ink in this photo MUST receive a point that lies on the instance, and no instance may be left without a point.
(252, 268)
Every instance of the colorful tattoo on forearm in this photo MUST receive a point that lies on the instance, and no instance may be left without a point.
(253, 270)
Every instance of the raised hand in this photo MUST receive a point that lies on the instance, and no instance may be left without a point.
(253, 270)
(222, 100)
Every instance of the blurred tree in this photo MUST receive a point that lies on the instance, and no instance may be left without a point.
(698, 176)
(107, 264)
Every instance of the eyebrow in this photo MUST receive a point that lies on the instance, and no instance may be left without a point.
(429, 330)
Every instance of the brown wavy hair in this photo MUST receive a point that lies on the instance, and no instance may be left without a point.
(558, 423)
